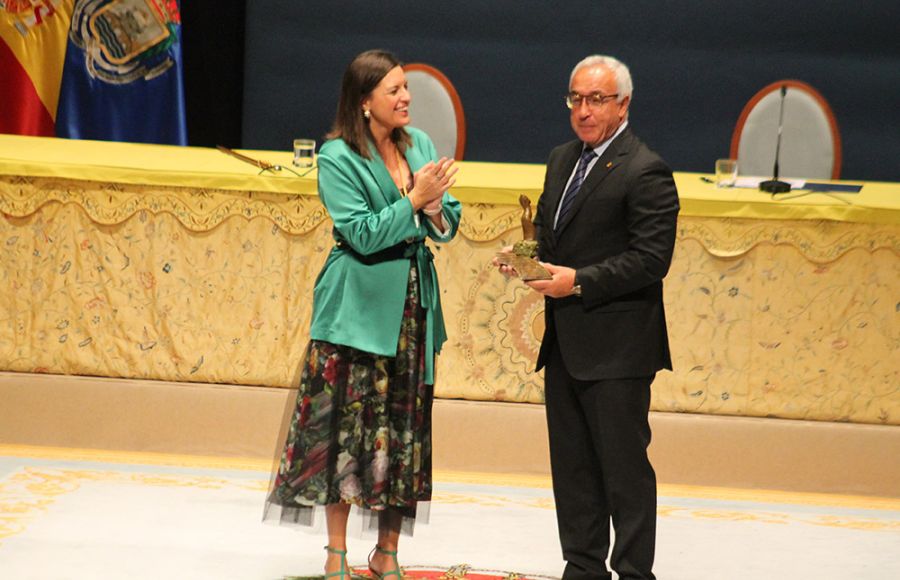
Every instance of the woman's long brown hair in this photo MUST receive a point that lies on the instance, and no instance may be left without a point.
(360, 79)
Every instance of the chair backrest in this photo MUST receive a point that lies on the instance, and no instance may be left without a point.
(810, 140)
(436, 109)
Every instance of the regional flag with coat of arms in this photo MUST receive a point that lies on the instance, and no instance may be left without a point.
(122, 76)
(92, 69)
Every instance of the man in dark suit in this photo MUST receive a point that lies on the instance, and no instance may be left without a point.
(606, 230)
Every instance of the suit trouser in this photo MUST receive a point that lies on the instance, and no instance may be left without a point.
(599, 433)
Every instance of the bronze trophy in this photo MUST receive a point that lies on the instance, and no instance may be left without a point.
(523, 258)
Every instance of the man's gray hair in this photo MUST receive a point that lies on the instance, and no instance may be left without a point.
(618, 68)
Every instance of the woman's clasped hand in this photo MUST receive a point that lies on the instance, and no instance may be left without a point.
(431, 181)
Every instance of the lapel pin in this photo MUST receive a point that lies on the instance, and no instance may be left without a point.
(608, 164)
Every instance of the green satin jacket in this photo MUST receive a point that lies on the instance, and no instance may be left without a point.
(360, 304)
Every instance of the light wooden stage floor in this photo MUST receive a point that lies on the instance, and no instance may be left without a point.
(243, 422)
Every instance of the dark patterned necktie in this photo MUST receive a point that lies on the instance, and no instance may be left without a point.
(571, 192)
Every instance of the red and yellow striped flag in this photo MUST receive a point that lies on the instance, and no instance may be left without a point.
(33, 36)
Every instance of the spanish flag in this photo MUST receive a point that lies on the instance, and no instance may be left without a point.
(33, 37)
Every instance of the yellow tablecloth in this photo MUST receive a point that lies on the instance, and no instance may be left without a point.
(182, 263)
(489, 183)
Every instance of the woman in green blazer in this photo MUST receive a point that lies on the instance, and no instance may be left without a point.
(360, 432)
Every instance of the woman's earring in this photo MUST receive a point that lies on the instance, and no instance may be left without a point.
(366, 113)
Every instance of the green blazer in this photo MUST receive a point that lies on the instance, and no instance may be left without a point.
(360, 304)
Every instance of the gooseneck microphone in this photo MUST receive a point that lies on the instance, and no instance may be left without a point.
(774, 185)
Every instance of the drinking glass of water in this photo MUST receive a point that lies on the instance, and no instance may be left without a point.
(726, 172)
(304, 150)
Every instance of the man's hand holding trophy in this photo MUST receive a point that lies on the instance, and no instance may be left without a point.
(520, 259)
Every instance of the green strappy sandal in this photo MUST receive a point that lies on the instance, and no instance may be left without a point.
(343, 571)
(395, 572)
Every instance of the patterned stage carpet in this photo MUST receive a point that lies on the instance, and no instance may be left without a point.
(88, 515)
(460, 572)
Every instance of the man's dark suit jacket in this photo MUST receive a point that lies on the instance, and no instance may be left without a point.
(619, 236)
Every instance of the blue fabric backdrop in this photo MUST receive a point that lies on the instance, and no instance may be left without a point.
(694, 63)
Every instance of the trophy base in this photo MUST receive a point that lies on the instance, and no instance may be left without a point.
(527, 268)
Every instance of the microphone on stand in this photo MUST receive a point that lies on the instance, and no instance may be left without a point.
(774, 185)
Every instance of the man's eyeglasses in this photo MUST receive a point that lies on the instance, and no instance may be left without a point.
(594, 100)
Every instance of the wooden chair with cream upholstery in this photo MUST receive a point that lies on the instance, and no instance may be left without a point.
(810, 140)
(437, 109)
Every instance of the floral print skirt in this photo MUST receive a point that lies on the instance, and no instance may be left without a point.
(359, 431)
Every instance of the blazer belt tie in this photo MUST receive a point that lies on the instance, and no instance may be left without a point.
(428, 282)
(430, 299)
(429, 290)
